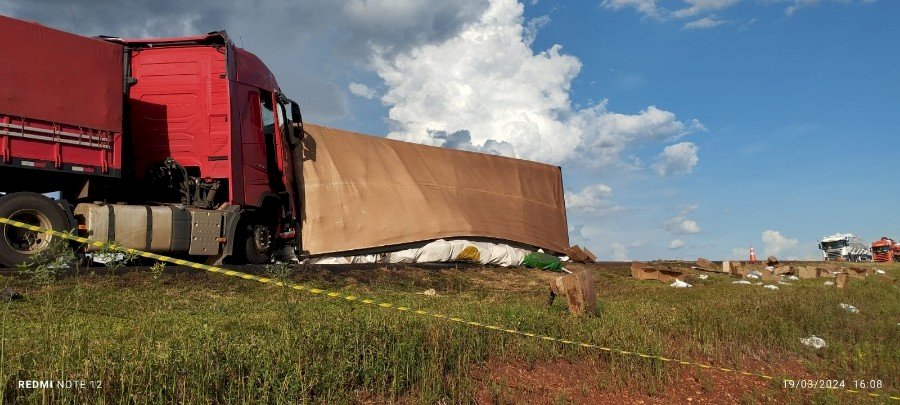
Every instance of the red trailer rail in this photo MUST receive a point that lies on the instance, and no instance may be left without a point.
(49, 145)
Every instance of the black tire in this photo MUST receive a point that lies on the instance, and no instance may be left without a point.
(256, 247)
(17, 244)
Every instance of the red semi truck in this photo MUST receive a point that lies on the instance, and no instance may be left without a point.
(184, 146)
(885, 250)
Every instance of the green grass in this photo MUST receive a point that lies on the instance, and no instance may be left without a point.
(198, 338)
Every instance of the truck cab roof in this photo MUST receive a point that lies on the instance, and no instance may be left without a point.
(244, 66)
(839, 236)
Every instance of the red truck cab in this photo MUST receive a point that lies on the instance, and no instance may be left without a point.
(217, 111)
(163, 131)
(884, 250)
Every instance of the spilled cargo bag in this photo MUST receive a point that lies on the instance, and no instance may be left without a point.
(542, 261)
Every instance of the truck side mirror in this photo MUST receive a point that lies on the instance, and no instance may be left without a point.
(297, 119)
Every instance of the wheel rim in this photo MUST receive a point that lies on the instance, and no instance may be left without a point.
(262, 238)
(25, 241)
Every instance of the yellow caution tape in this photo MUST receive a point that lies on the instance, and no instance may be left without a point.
(389, 305)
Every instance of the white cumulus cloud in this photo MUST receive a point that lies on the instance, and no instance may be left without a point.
(648, 8)
(531, 29)
(676, 159)
(694, 8)
(683, 226)
(593, 199)
(797, 5)
(740, 253)
(487, 81)
(775, 243)
(675, 244)
(680, 225)
(700, 6)
(611, 133)
(619, 252)
(704, 23)
(361, 90)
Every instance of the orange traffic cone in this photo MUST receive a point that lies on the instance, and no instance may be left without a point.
(753, 255)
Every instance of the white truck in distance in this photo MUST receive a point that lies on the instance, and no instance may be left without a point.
(846, 247)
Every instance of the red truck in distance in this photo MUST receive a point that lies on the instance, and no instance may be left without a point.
(885, 250)
(184, 146)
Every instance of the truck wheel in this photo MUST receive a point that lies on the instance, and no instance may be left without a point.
(17, 244)
(257, 244)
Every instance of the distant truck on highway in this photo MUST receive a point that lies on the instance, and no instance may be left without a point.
(885, 250)
(845, 247)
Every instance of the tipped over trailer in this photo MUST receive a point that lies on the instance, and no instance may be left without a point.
(187, 146)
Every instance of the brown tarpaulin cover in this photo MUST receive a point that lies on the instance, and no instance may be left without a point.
(363, 192)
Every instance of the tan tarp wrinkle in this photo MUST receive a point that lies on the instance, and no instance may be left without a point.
(364, 192)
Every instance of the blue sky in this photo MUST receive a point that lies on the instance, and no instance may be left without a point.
(800, 113)
(684, 128)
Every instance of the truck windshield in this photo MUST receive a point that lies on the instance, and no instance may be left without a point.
(881, 249)
(834, 245)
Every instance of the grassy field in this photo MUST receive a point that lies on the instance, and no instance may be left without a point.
(190, 337)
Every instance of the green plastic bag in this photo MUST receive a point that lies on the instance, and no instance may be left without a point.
(542, 261)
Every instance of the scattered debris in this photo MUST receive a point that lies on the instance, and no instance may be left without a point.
(858, 272)
(784, 283)
(429, 292)
(105, 258)
(706, 265)
(754, 275)
(849, 308)
(807, 272)
(814, 341)
(642, 271)
(578, 289)
(740, 282)
(758, 283)
(829, 283)
(579, 254)
(769, 275)
(793, 278)
(680, 284)
(8, 294)
(726, 267)
(840, 280)
(739, 269)
(781, 270)
(771, 287)
(542, 261)
(703, 276)
(879, 271)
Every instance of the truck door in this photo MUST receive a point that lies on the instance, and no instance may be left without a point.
(261, 172)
